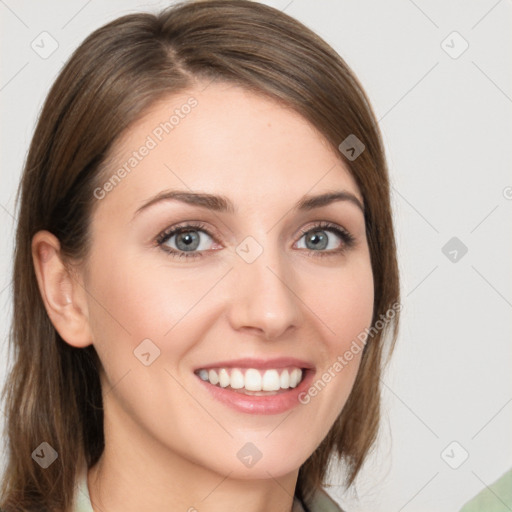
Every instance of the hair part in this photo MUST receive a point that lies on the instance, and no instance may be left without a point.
(53, 390)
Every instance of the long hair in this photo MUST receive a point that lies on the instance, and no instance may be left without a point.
(53, 391)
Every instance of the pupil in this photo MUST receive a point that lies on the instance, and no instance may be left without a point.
(190, 239)
(318, 239)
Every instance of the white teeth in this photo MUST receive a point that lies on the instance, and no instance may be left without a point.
(224, 378)
(237, 379)
(213, 377)
(295, 377)
(252, 379)
(270, 381)
(284, 380)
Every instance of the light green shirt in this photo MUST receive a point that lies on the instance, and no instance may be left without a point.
(495, 498)
(322, 502)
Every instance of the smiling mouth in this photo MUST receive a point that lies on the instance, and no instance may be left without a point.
(251, 381)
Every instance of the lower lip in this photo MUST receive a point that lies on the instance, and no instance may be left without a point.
(252, 404)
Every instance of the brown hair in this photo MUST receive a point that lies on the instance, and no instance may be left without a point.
(53, 391)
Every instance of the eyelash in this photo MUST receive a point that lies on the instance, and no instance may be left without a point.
(347, 239)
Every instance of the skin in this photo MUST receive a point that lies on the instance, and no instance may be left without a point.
(169, 444)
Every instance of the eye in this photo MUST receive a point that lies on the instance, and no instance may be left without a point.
(326, 238)
(193, 239)
(185, 241)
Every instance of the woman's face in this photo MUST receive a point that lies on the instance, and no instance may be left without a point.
(256, 290)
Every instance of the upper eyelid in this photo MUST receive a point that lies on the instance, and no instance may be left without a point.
(169, 232)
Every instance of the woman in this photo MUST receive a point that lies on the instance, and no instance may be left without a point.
(205, 272)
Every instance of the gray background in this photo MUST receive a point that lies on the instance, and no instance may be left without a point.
(447, 129)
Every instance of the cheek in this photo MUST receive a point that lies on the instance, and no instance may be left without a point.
(354, 307)
(132, 300)
(345, 304)
(346, 310)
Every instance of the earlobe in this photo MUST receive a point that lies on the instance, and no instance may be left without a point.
(63, 295)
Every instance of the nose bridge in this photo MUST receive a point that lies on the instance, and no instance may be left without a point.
(264, 297)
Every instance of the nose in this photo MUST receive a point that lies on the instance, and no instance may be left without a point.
(265, 300)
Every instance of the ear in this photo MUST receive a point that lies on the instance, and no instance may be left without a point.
(61, 289)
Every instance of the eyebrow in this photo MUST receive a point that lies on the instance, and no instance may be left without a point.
(220, 203)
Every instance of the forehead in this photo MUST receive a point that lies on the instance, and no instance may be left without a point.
(227, 140)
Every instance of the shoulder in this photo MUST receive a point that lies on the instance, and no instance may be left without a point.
(495, 498)
(322, 502)
(82, 501)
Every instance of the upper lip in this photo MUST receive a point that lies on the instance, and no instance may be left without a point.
(250, 362)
